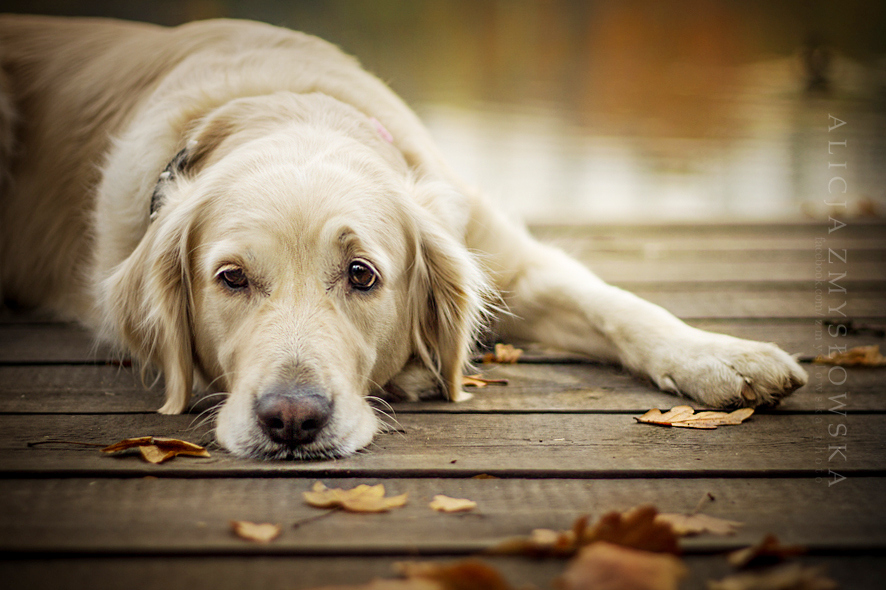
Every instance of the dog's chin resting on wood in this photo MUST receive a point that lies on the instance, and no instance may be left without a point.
(245, 208)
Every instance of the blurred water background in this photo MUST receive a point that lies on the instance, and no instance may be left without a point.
(635, 110)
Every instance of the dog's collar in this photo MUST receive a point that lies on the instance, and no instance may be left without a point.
(173, 168)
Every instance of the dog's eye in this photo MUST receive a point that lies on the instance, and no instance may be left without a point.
(234, 278)
(362, 276)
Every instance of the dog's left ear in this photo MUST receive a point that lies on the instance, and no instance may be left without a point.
(148, 296)
(448, 291)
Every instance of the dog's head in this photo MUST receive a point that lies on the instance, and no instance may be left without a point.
(295, 262)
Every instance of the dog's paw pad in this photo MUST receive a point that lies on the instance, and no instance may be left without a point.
(722, 371)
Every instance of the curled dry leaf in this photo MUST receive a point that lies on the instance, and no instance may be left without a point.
(157, 449)
(685, 417)
(768, 550)
(260, 533)
(470, 574)
(860, 356)
(685, 525)
(504, 353)
(786, 577)
(362, 498)
(604, 566)
(443, 503)
(479, 381)
(637, 528)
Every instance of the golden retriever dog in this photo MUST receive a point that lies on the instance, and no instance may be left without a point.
(246, 209)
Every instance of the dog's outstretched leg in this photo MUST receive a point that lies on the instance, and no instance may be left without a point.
(557, 301)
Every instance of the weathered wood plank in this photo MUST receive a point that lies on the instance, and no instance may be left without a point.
(50, 342)
(61, 343)
(781, 303)
(192, 515)
(855, 229)
(582, 388)
(514, 445)
(635, 273)
(863, 249)
(305, 573)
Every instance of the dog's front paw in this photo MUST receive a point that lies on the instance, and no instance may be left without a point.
(722, 371)
(415, 382)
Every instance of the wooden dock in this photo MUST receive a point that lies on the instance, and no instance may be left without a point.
(560, 440)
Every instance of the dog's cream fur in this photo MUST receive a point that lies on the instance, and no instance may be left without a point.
(280, 170)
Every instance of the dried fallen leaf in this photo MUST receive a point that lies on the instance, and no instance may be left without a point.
(635, 528)
(685, 417)
(685, 525)
(157, 449)
(260, 533)
(786, 577)
(362, 498)
(504, 353)
(544, 542)
(443, 503)
(768, 550)
(478, 381)
(860, 356)
(382, 584)
(604, 566)
(469, 574)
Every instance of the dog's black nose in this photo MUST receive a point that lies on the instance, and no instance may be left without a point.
(293, 417)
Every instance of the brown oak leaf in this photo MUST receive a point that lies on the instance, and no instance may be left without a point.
(157, 449)
(604, 566)
(635, 528)
(362, 498)
(685, 417)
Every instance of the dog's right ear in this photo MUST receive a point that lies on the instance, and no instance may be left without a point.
(148, 304)
(449, 293)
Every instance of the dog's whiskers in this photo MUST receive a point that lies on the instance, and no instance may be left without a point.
(206, 416)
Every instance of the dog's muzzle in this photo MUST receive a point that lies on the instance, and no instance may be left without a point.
(293, 416)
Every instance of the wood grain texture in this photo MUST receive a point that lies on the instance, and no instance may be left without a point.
(510, 445)
(532, 388)
(151, 516)
(561, 436)
(236, 572)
